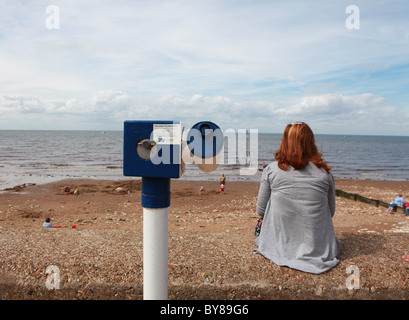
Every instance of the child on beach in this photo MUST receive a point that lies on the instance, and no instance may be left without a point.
(47, 223)
(222, 188)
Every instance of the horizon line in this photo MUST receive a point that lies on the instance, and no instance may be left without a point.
(110, 130)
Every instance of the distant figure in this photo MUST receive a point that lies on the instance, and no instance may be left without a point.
(398, 202)
(65, 190)
(202, 190)
(297, 202)
(222, 188)
(222, 179)
(47, 223)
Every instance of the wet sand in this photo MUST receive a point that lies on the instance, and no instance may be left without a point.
(211, 238)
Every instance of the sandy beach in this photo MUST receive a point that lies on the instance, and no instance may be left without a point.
(98, 247)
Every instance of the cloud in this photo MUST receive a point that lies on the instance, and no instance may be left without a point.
(19, 104)
(335, 105)
(360, 114)
(107, 110)
(238, 62)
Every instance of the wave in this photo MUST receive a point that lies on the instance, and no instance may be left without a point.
(62, 165)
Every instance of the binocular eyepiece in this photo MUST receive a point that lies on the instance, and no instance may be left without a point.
(157, 148)
(205, 139)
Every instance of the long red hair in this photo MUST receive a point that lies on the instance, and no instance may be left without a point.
(297, 148)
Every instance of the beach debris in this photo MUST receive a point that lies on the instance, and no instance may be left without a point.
(121, 190)
(118, 190)
(30, 214)
(19, 187)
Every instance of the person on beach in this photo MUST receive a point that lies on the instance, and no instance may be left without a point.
(222, 179)
(47, 223)
(296, 200)
(398, 202)
(65, 190)
(222, 182)
(407, 209)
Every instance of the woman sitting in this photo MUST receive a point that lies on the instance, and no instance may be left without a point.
(297, 201)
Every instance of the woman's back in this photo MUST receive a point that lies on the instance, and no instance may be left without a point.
(297, 206)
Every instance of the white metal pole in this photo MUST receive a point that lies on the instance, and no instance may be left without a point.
(155, 254)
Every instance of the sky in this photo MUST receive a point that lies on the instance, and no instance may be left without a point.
(243, 64)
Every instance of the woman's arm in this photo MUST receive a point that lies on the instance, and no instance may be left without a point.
(331, 194)
(263, 194)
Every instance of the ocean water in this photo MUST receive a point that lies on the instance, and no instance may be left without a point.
(43, 156)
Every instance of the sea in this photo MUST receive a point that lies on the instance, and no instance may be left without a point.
(44, 156)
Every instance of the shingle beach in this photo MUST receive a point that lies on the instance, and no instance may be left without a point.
(97, 251)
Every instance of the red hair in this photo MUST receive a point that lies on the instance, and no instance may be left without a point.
(297, 148)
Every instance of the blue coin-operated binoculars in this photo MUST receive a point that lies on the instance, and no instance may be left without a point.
(204, 143)
(155, 151)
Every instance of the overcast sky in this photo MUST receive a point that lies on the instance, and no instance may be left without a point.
(244, 64)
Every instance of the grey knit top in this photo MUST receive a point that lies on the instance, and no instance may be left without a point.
(297, 207)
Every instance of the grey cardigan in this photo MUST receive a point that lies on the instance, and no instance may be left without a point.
(297, 229)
